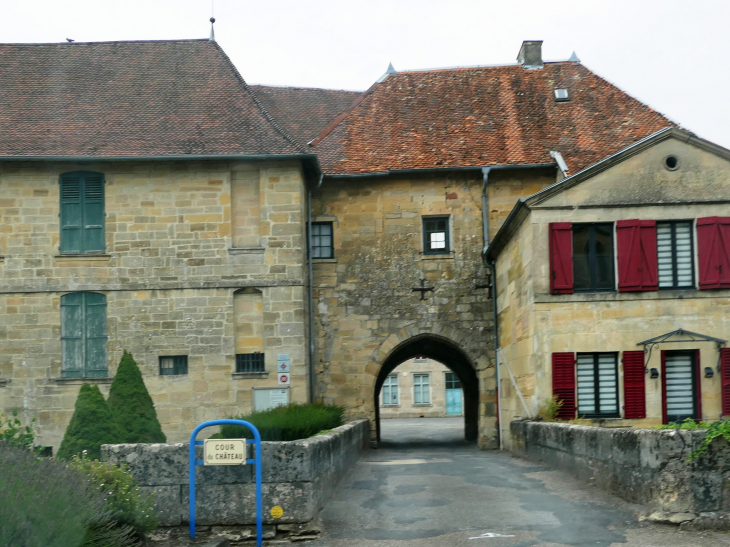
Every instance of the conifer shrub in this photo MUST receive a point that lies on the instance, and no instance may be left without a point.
(132, 407)
(44, 503)
(91, 426)
(286, 423)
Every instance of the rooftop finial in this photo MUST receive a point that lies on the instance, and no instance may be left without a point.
(212, 33)
(574, 58)
(390, 70)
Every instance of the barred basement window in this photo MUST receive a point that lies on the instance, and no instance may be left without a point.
(173, 365)
(250, 362)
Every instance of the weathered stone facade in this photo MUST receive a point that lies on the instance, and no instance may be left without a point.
(170, 273)
(533, 323)
(365, 308)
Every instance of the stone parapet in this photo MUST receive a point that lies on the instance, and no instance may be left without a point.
(645, 466)
(299, 476)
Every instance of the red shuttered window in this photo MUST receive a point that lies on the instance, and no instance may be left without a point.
(564, 383)
(634, 388)
(713, 252)
(725, 378)
(637, 255)
(561, 257)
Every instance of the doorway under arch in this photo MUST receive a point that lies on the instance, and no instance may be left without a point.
(447, 353)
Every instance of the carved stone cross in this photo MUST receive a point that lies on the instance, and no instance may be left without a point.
(422, 289)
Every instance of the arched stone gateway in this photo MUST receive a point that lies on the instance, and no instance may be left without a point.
(446, 352)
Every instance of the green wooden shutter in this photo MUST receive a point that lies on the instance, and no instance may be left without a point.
(95, 339)
(93, 225)
(71, 213)
(72, 346)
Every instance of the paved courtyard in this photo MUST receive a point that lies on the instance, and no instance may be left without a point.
(426, 487)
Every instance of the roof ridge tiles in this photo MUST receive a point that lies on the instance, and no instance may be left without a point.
(76, 43)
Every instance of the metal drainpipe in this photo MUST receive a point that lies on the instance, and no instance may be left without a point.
(311, 289)
(485, 229)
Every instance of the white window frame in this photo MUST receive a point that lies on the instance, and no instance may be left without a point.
(390, 387)
(418, 383)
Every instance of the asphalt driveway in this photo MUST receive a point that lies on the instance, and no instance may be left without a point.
(426, 487)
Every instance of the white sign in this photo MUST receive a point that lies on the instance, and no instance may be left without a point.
(282, 362)
(265, 398)
(284, 379)
(224, 452)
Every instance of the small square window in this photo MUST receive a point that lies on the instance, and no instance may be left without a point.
(322, 244)
(173, 365)
(562, 95)
(250, 362)
(436, 235)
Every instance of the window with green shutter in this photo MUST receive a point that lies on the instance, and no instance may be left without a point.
(83, 335)
(82, 212)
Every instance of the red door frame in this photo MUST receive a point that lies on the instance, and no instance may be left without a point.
(697, 386)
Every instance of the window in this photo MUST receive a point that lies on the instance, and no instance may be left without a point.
(680, 382)
(250, 362)
(82, 212)
(173, 365)
(436, 235)
(421, 393)
(452, 381)
(597, 383)
(390, 390)
(675, 255)
(593, 257)
(83, 335)
(322, 246)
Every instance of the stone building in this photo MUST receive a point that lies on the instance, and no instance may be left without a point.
(151, 200)
(421, 388)
(148, 203)
(613, 285)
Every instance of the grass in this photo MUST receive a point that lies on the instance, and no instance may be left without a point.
(286, 423)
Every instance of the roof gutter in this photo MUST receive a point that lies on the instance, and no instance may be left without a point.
(174, 157)
(312, 382)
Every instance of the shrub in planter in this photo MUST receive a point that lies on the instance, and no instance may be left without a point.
(286, 423)
(132, 406)
(91, 426)
(130, 506)
(44, 503)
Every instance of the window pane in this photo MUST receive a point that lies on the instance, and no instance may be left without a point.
(680, 386)
(603, 236)
(608, 390)
(664, 254)
(586, 384)
(683, 241)
(581, 257)
(438, 240)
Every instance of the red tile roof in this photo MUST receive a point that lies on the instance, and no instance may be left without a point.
(304, 112)
(485, 116)
(111, 99)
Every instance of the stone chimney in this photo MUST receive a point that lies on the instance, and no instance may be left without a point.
(530, 55)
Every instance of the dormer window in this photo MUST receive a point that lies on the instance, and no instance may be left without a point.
(561, 95)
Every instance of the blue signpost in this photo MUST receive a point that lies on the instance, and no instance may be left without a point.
(256, 441)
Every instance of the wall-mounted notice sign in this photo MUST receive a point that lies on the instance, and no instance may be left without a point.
(284, 379)
(282, 363)
(224, 452)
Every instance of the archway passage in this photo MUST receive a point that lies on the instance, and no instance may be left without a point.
(448, 353)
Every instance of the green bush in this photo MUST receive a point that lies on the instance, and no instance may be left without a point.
(550, 409)
(688, 423)
(286, 423)
(15, 433)
(44, 503)
(91, 426)
(130, 506)
(132, 407)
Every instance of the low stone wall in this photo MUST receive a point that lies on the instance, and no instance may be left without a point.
(646, 466)
(299, 476)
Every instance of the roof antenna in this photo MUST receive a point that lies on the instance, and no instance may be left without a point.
(212, 20)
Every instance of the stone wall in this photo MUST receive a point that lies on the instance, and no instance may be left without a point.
(169, 273)
(646, 466)
(299, 476)
(365, 308)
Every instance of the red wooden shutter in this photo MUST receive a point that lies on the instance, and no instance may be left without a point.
(564, 383)
(713, 252)
(634, 388)
(725, 379)
(637, 255)
(561, 257)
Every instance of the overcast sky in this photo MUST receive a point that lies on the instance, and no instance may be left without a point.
(670, 54)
